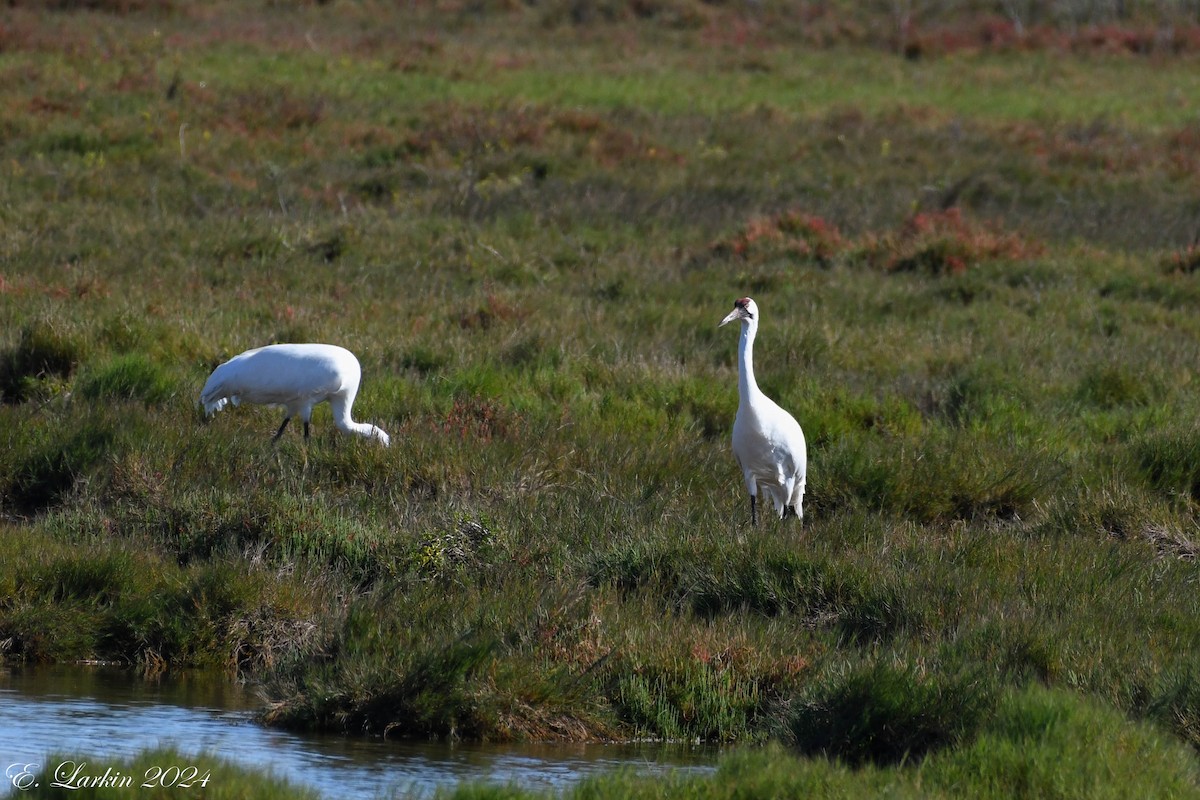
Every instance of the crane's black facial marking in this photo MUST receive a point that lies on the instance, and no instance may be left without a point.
(741, 311)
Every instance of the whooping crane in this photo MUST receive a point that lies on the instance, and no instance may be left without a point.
(295, 376)
(767, 441)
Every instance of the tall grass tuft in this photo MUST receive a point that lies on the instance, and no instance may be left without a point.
(883, 714)
(705, 701)
(87, 600)
(45, 469)
(127, 377)
(726, 581)
(1169, 462)
(43, 352)
(965, 475)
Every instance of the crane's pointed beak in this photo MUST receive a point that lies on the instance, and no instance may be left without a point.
(733, 315)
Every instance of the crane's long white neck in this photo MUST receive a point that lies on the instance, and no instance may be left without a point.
(341, 418)
(360, 428)
(747, 386)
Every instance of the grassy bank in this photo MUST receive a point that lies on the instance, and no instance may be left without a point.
(978, 298)
(1036, 742)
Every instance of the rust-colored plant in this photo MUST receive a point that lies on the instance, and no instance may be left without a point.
(792, 233)
(1185, 261)
(945, 243)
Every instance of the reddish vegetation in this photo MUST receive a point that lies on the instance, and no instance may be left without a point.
(943, 242)
(1183, 148)
(614, 146)
(939, 243)
(742, 658)
(1000, 34)
(1097, 145)
(496, 310)
(915, 36)
(1184, 261)
(479, 419)
(935, 30)
(43, 105)
(1106, 146)
(608, 144)
(792, 233)
(270, 109)
(459, 130)
(82, 286)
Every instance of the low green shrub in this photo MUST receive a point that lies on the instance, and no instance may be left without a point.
(43, 351)
(127, 377)
(44, 473)
(1115, 386)
(87, 600)
(725, 581)
(1168, 461)
(943, 476)
(882, 715)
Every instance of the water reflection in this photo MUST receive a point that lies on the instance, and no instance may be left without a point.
(109, 714)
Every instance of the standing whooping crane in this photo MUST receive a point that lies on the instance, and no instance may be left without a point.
(767, 441)
(295, 376)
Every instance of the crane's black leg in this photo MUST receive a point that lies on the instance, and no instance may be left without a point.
(305, 446)
(753, 511)
(279, 432)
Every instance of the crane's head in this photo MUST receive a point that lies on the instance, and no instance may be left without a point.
(744, 310)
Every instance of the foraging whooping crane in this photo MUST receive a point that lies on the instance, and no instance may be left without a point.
(295, 376)
(767, 441)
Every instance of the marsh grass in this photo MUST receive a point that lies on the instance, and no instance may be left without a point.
(1166, 461)
(41, 354)
(68, 599)
(884, 716)
(981, 313)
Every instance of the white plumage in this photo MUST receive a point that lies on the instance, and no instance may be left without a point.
(767, 441)
(295, 376)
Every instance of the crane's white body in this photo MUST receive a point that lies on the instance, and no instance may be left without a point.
(767, 441)
(295, 376)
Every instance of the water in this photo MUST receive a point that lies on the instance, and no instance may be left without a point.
(108, 716)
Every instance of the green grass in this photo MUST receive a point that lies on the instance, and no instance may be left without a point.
(977, 298)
